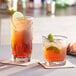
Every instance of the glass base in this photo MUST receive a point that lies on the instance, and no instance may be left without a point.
(21, 60)
(58, 63)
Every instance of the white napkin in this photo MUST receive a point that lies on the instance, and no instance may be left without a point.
(10, 62)
(67, 65)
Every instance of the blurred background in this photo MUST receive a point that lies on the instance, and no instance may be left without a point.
(39, 7)
(63, 11)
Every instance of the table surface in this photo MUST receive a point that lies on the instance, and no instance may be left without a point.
(34, 70)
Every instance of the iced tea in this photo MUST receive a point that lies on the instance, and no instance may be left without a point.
(21, 39)
(55, 52)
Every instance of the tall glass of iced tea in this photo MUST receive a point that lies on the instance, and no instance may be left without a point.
(21, 37)
(54, 50)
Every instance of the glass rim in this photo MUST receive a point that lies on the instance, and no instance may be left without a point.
(29, 17)
(62, 36)
(56, 37)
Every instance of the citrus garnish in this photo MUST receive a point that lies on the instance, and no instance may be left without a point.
(18, 15)
(50, 38)
(19, 21)
(13, 11)
(55, 49)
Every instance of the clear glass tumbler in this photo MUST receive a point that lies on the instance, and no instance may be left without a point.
(21, 39)
(55, 52)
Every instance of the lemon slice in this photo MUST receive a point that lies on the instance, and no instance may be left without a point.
(17, 15)
(55, 49)
(19, 21)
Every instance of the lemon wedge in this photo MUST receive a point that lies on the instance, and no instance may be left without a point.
(55, 49)
(19, 21)
(17, 15)
(50, 38)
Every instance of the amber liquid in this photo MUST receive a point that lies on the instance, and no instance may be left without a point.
(21, 42)
(52, 56)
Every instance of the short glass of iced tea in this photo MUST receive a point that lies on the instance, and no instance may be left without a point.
(54, 50)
